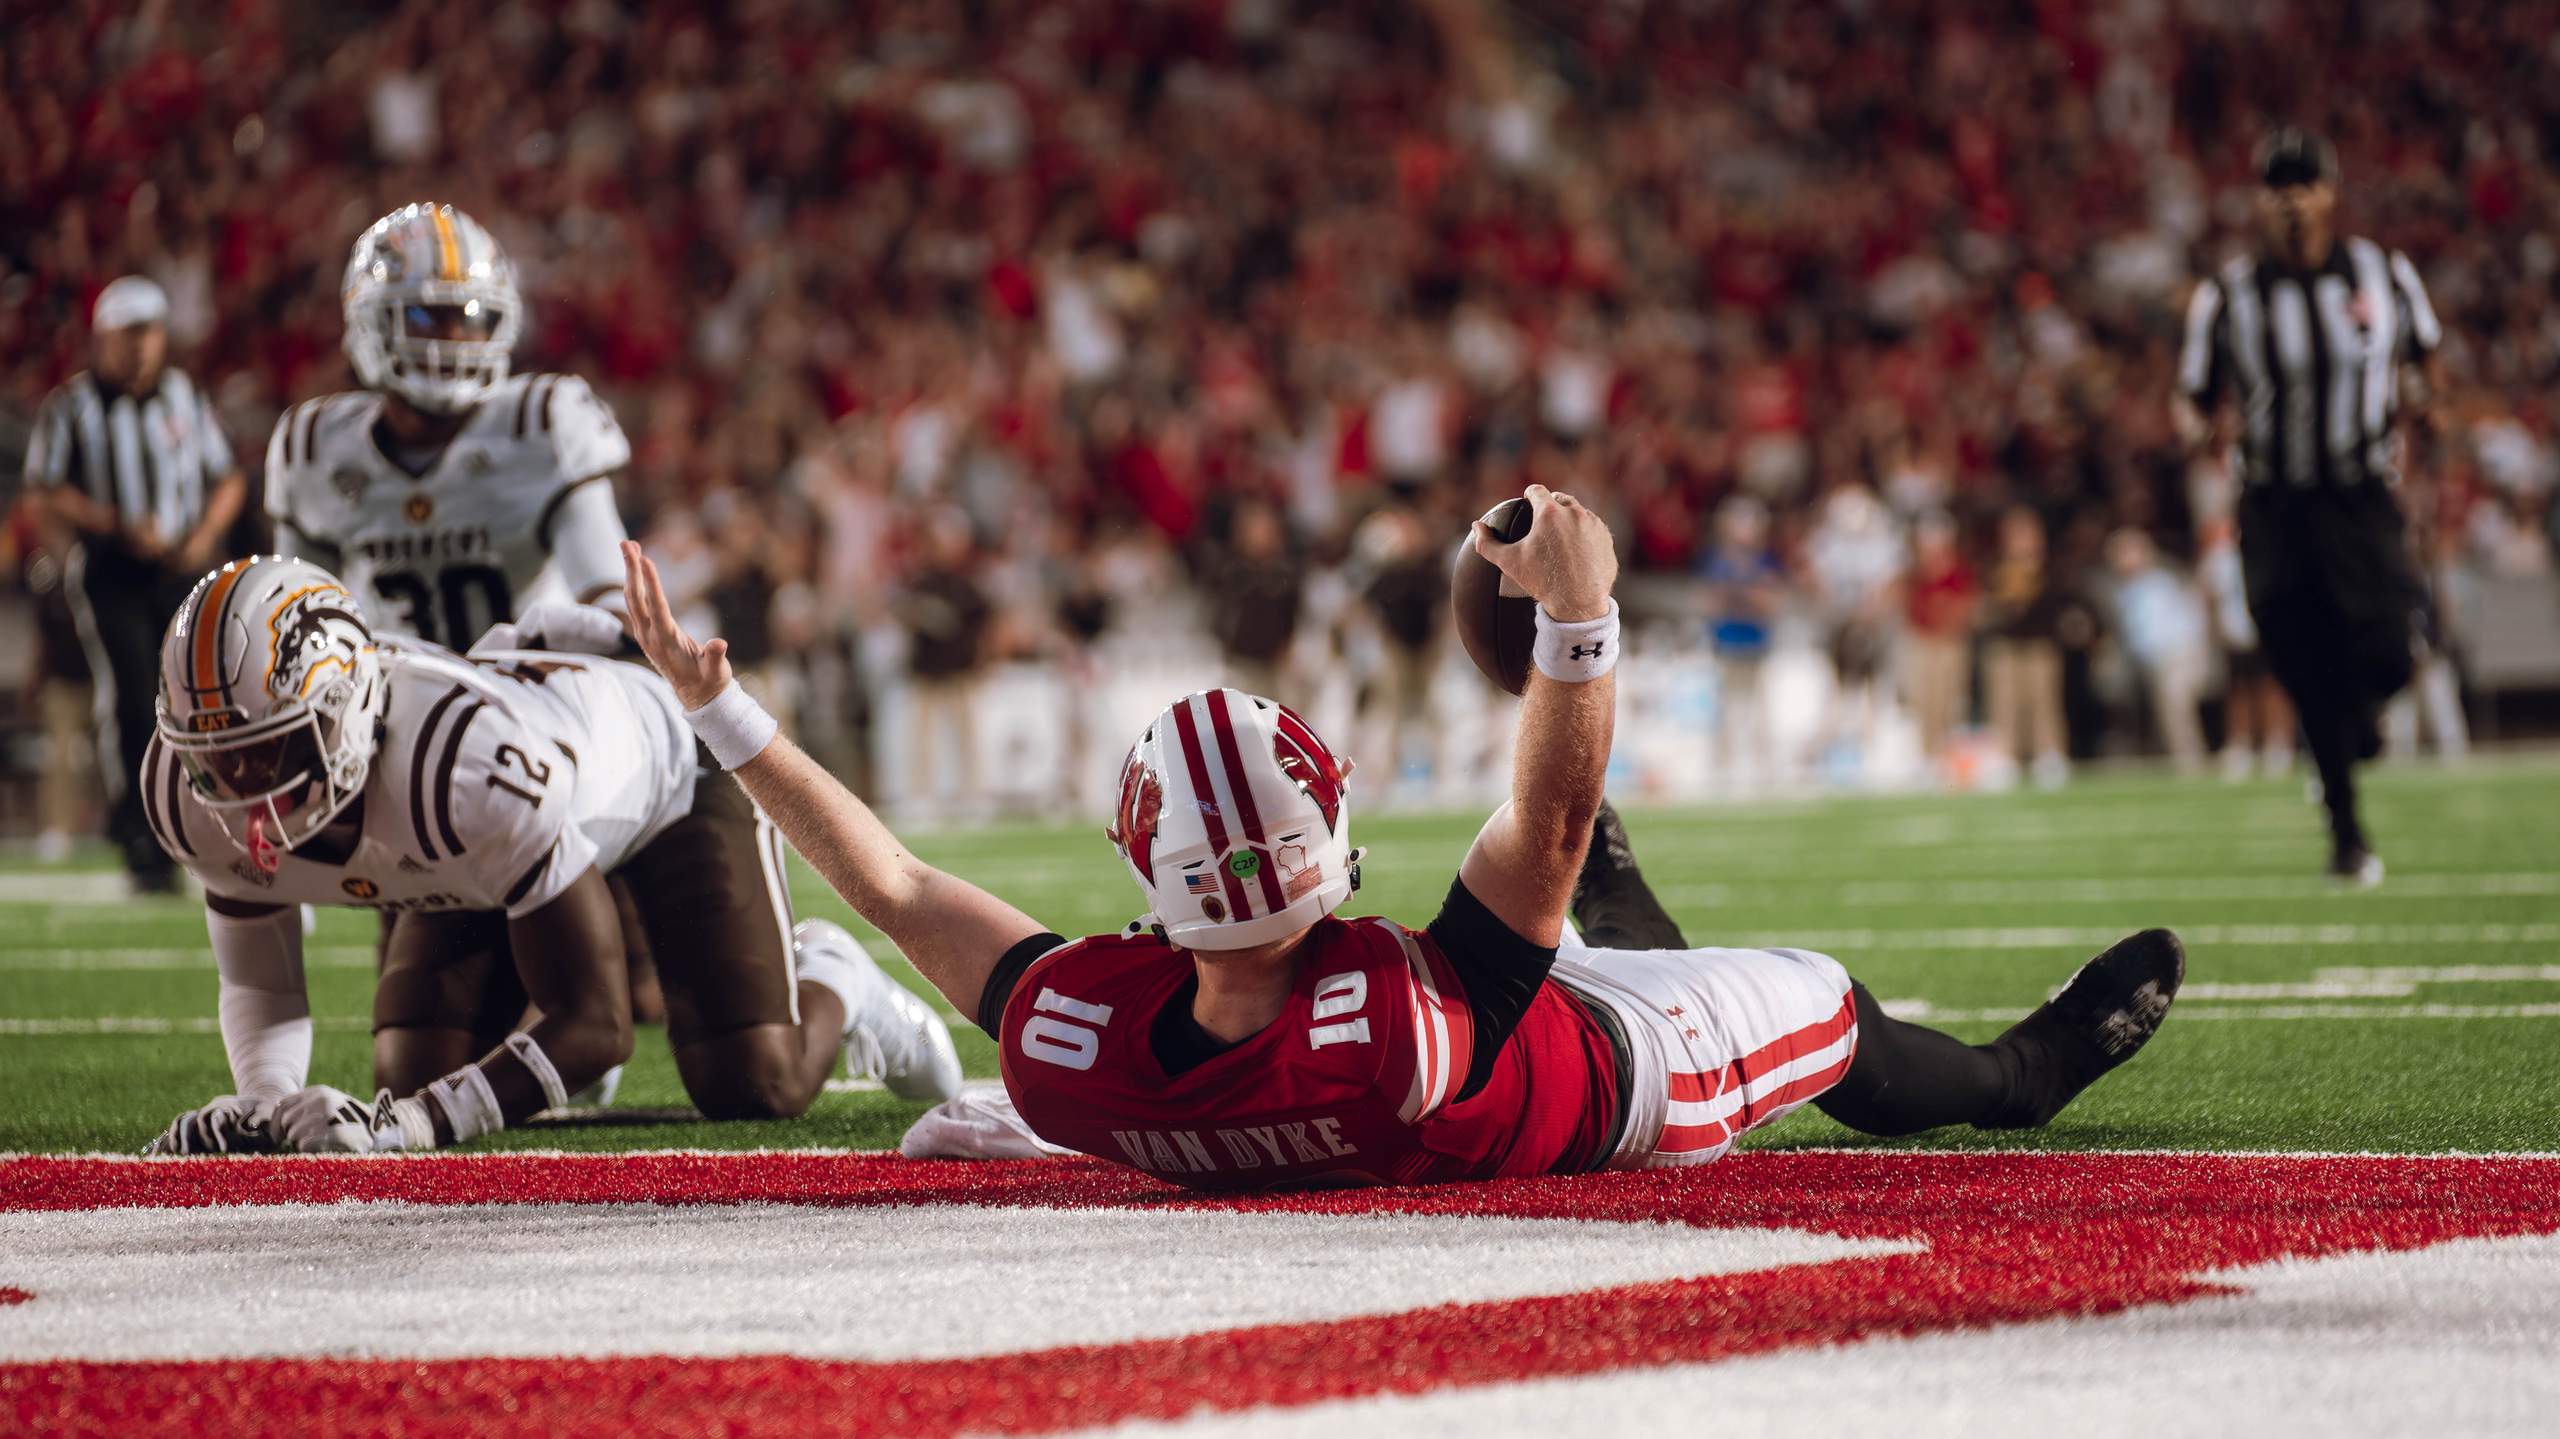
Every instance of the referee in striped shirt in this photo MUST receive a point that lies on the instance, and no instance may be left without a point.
(128, 457)
(2310, 336)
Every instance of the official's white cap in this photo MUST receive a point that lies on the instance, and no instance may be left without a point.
(132, 300)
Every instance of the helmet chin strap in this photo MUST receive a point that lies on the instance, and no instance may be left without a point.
(262, 849)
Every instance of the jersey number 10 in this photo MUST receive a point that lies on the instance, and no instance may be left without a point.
(1062, 1042)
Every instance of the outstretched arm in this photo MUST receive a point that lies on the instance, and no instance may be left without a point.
(1526, 858)
(952, 931)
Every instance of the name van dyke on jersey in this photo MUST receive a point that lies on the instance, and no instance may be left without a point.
(1183, 1151)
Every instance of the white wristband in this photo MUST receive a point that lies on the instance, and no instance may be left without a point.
(470, 1106)
(733, 726)
(1576, 651)
(414, 1127)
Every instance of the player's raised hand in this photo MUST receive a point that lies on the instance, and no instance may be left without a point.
(698, 670)
(1567, 562)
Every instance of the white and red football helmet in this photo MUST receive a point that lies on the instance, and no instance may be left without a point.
(1236, 821)
(271, 697)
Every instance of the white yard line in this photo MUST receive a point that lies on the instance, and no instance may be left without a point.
(2163, 888)
(325, 956)
(152, 1024)
(2283, 936)
(2443, 974)
(208, 1024)
(1921, 1010)
(2340, 988)
(66, 887)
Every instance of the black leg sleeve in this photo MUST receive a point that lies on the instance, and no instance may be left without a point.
(1907, 1077)
(1613, 908)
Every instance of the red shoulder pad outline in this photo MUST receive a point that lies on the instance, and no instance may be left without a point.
(1431, 1029)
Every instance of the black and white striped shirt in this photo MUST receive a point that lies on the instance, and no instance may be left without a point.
(2314, 360)
(155, 455)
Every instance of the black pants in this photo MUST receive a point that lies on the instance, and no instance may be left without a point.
(122, 608)
(2340, 668)
(1904, 1078)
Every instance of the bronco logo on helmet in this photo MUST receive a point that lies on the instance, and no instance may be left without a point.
(307, 642)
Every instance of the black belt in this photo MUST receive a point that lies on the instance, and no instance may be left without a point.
(1622, 1055)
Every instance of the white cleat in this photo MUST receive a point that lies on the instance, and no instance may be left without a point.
(890, 1034)
(598, 1095)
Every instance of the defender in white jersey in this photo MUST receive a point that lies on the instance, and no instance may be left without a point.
(522, 817)
(448, 487)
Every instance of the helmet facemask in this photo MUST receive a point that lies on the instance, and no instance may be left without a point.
(282, 782)
(274, 711)
(445, 357)
(432, 310)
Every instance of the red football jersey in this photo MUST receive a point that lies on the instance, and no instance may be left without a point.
(1355, 1082)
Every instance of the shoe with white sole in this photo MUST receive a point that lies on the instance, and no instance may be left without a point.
(598, 1095)
(890, 1034)
(2355, 867)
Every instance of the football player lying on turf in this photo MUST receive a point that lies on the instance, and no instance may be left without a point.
(1241, 1036)
(524, 815)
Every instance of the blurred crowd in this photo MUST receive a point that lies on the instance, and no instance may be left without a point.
(950, 333)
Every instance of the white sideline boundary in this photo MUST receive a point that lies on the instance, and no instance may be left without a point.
(1921, 1011)
(1980, 937)
(1911, 1009)
(2170, 888)
(2094, 937)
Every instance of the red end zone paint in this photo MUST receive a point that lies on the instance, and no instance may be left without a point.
(2012, 1237)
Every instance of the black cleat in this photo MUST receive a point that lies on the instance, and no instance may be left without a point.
(2355, 867)
(2109, 1010)
(1613, 908)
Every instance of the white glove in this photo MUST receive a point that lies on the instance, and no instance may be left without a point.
(562, 628)
(322, 1119)
(980, 1124)
(228, 1125)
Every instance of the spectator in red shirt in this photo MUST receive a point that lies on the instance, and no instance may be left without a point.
(1939, 595)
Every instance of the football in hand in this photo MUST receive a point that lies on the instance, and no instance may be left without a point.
(1497, 623)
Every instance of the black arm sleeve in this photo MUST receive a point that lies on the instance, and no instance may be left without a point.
(1500, 971)
(1008, 973)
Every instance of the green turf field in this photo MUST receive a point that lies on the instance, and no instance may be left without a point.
(2424, 1016)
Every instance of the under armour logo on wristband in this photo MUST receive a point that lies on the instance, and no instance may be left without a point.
(1574, 651)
